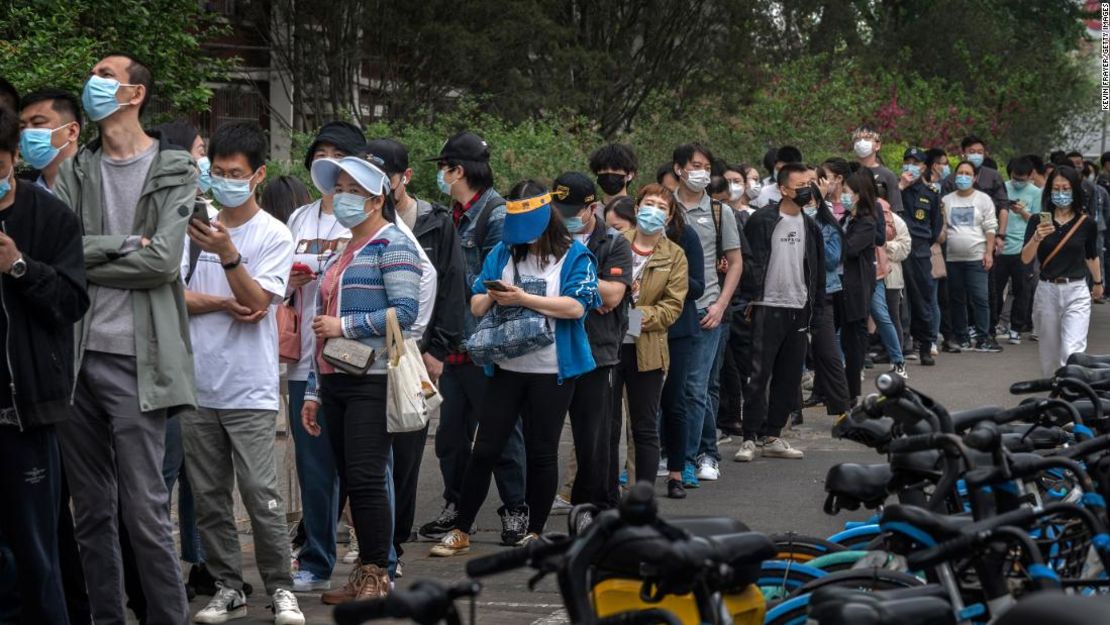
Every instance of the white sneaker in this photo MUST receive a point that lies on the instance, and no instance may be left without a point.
(662, 470)
(779, 448)
(560, 504)
(933, 351)
(226, 605)
(352, 547)
(286, 610)
(746, 453)
(708, 469)
(1015, 338)
(900, 369)
(305, 581)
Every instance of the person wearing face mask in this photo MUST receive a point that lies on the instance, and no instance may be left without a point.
(866, 144)
(923, 218)
(659, 285)
(239, 277)
(786, 285)
(737, 187)
(715, 226)
(987, 179)
(837, 171)
(1065, 246)
(937, 168)
(380, 253)
(51, 127)
(42, 284)
(1025, 203)
(478, 212)
(737, 340)
(770, 192)
(858, 278)
(970, 237)
(615, 166)
(133, 270)
(434, 230)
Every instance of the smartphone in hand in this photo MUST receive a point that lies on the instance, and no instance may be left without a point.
(302, 268)
(495, 285)
(200, 212)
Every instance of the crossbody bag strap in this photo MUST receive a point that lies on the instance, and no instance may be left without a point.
(1060, 245)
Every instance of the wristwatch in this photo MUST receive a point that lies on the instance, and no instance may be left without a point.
(18, 268)
(233, 264)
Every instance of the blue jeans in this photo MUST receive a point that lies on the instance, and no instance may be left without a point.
(967, 281)
(708, 444)
(173, 470)
(888, 334)
(319, 484)
(701, 412)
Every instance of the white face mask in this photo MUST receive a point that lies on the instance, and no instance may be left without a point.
(754, 189)
(735, 191)
(864, 148)
(697, 180)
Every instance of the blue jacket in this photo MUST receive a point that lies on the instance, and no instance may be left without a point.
(834, 256)
(578, 279)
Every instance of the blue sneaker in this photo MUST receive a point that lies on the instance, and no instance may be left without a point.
(623, 479)
(690, 476)
(304, 581)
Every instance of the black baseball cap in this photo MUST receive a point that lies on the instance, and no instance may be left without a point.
(390, 155)
(916, 154)
(572, 191)
(464, 146)
(345, 136)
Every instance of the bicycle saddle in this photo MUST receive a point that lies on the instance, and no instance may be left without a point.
(963, 419)
(920, 464)
(913, 606)
(1089, 361)
(1058, 609)
(851, 485)
(1034, 437)
(915, 520)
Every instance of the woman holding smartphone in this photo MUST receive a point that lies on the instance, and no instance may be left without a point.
(1064, 240)
(535, 250)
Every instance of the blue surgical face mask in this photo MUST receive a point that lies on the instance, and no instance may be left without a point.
(444, 187)
(1061, 199)
(964, 181)
(349, 209)
(99, 97)
(574, 224)
(846, 201)
(810, 210)
(204, 181)
(651, 219)
(36, 147)
(914, 169)
(6, 184)
(1020, 184)
(230, 192)
(975, 159)
(945, 171)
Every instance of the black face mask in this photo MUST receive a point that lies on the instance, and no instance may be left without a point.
(611, 184)
(803, 196)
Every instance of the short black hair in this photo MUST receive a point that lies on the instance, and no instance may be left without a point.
(179, 133)
(1058, 157)
(478, 174)
(61, 101)
(244, 138)
(1020, 166)
(838, 166)
(138, 73)
(1038, 163)
(788, 154)
(8, 92)
(664, 170)
(717, 184)
(685, 153)
(624, 206)
(769, 158)
(971, 140)
(1075, 153)
(790, 168)
(932, 154)
(9, 130)
(283, 195)
(614, 156)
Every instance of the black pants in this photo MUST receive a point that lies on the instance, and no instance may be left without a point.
(544, 403)
(31, 482)
(1008, 268)
(355, 407)
(645, 388)
(673, 402)
(779, 345)
(736, 368)
(946, 329)
(918, 274)
(408, 451)
(590, 410)
(894, 307)
(853, 339)
(828, 382)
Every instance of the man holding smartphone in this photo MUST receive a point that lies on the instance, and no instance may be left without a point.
(1024, 202)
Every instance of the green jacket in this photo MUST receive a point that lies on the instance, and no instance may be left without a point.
(164, 354)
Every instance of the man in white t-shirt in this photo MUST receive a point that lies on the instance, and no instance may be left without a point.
(238, 279)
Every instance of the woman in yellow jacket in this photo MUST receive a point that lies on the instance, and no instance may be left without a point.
(659, 283)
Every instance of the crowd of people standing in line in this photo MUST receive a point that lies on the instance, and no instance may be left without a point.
(145, 328)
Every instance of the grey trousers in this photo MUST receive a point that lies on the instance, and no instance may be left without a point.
(112, 455)
(223, 447)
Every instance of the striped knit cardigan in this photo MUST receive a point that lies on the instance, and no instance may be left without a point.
(385, 274)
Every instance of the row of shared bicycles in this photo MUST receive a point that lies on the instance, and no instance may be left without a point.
(994, 515)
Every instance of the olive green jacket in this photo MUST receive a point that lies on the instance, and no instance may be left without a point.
(663, 286)
(163, 352)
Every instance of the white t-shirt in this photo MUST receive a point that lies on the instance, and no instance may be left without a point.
(317, 236)
(785, 282)
(769, 193)
(544, 360)
(970, 220)
(237, 363)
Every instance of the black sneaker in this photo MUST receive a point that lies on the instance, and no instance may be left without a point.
(514, 524)
(732, 428)
(812, 400)
(949, 347)
(201, 581)
(438, 528)
(796, 418)
(675, 490)
(989, 346)
(927, 359)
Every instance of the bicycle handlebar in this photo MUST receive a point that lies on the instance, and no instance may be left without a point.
(515, 558)
(424, 602)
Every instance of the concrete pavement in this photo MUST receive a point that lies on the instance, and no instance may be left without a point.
(768, 495)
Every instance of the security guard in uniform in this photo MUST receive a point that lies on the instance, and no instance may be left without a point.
(921, 206)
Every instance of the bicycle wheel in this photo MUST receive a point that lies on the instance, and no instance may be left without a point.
(790, 612)
(857, 537)
(838, 561)
(862, 579)
(780, 578)
(802, 548)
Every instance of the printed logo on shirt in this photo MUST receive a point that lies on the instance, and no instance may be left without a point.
(321, 246)
(962, 216)
(791, 238)
(919, 214)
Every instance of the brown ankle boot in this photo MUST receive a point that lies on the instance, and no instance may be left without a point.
(375, 582)
(348, 592)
